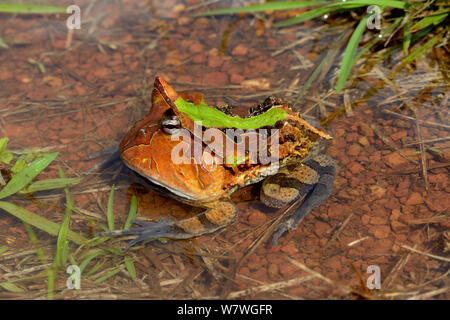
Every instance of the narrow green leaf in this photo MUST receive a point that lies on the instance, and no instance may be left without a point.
(129, 264)
(349, 54)
(50, 184)
(51, 274)
(3, 44)
(34, 241)
(269, 6)
(3, 144)
(3, 249)
(110, 210)
(11, 287)
(318, 12)
(91, 254)
(39, 222)
(406, 36)
(132, 213)
(96, 267)
(108, 275)
(20, 180)
(429, 20)
(31, 8)
(420, 50)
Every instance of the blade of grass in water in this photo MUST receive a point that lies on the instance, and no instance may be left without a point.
(132, 213)
(349, 54)
(11, 287)
(129, 264)
(91, 254)
(406, 36)
(3, 44)
(30, 8)
(269, 6)
(110, 210)
(35, 243)
(108, 275)
(20, 180)
(429, 20)
(39, 222)
(3, 249)
(62, 244)
(318, 12)
(50, 184)
(422, 49)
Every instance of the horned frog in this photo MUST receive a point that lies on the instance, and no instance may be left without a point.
(160, 149)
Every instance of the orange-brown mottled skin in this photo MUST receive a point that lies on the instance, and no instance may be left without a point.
(147, 149)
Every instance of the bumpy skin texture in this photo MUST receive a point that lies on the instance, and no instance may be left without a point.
(306, 175)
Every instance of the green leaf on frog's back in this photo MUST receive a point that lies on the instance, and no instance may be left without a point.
(24, 177)
(39, 222)
(211, 117)
(3, 144)
(5, 156)
(31, 8)
(52, 184)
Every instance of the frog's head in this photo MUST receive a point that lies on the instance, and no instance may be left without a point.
(148, 148)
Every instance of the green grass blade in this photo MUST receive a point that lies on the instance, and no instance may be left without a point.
(34, 241)
(132, 213)
(30, 8)
(318, 12)
(282, 5)
(39, 222)
(349, 54)
(108, 275)
(91, 254)
(50, 184)
(11, 287)
(429, 20)
(129, 264)
(3, 44)
(406, 36)
(62, 244)
(420, 50)
(110, 210)
(20, 180)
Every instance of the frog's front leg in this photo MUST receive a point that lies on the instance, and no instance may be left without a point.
(310, 182)
(217, 215)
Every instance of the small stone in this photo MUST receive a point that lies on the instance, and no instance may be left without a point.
(240, 50)
(216, 79)
(414, 199)
(380, 232)
(289, 248)
(378, 221)
(273, 272)
(354, 150)
(256, 219)
(398, 226)
(236, 78)
(196, 48)
(394, 160)
(377, 191)
(364, 141)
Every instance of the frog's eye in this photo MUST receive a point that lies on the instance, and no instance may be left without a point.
(171, 124)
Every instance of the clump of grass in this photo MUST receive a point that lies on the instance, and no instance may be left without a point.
(405, 24)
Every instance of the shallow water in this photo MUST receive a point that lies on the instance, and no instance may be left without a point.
(80, 93)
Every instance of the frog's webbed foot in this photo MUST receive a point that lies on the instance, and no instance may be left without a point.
(315, 182)
(206, 222)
